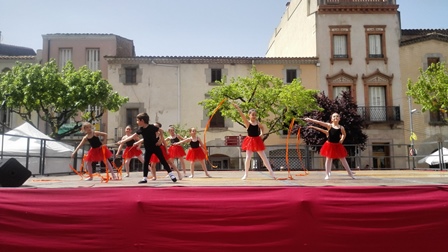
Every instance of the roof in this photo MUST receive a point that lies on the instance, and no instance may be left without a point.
(12, 50)
(412, 36)
(212, 59)
(66, 35)
(30, 57)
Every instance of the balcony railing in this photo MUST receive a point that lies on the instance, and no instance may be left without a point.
(357, 2)
(380, 114)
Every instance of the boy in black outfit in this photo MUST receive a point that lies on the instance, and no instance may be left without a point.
(148, 131)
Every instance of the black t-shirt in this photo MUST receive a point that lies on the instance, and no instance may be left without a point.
(149, 135)
(253, 130)
(94, 142)
(174, 140)
(334, 135)
(130, 143)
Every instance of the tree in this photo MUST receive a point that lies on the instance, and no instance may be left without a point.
(276, 102)
(350, 119)
(431, 88)
(57, 96)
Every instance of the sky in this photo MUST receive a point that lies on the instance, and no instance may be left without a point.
(176, 27)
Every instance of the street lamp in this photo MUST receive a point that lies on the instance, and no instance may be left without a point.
(412, 151)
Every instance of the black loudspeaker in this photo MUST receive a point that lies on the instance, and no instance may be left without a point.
(12, 173)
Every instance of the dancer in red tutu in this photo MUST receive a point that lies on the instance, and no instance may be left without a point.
(333, 148)
(195, 152)
(176, 151)
(98, 151)
(253, 142)
(154, 160)
(130, 150)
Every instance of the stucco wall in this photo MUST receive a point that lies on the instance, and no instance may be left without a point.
(414, 57)
(298, 23)
(158, 93)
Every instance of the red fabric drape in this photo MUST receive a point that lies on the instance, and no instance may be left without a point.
(225, 219)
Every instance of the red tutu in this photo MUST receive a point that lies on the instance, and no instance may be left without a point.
(155, 159)
(333, 150)
(96, 154)
(176, 151)
(131, 152)
(253, 144)
(195, 154)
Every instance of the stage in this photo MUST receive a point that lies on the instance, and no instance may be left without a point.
(398, 210)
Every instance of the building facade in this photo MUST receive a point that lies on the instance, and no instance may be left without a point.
(9, 56)
(418, 50)
(85, 49)
(170, 88)
(357, 44)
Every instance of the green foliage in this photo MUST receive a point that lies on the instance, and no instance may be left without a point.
(350, 119)
(431, 88)
(56, 96)
(276, 103)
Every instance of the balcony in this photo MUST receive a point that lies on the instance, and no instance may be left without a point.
(357, 6)
(380, 114)
(357, 2)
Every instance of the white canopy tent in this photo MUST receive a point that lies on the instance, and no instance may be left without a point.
(434, 159)
(26, 141)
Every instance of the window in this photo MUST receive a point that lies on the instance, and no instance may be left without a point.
(291, 74)
(340, 43)
(377, 103)
(375, 46)
(218, 121)
(65, 54)
(437, 118)
(5, 116)
(216, 75)
(93, 59)
(340, 46)
(378, 96)
(131, 75)
(341, 82)
(96, 111)
(433, 60)
(131, 115)
(221, 162)
(381, 154)
(337, 90)
(286, 128)
(375, 43)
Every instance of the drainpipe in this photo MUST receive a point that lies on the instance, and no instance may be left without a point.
(48, 50)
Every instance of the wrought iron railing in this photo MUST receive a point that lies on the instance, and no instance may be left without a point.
(356, 2)
(389, 114)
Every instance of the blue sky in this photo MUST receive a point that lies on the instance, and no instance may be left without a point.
(176, 27)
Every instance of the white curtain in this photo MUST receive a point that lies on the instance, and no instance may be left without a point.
(64, 56)
(338, 90)
(375, 44)
(340, 46)
(377, 103)
(93, 59)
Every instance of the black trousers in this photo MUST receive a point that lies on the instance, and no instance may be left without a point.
(158, 152)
